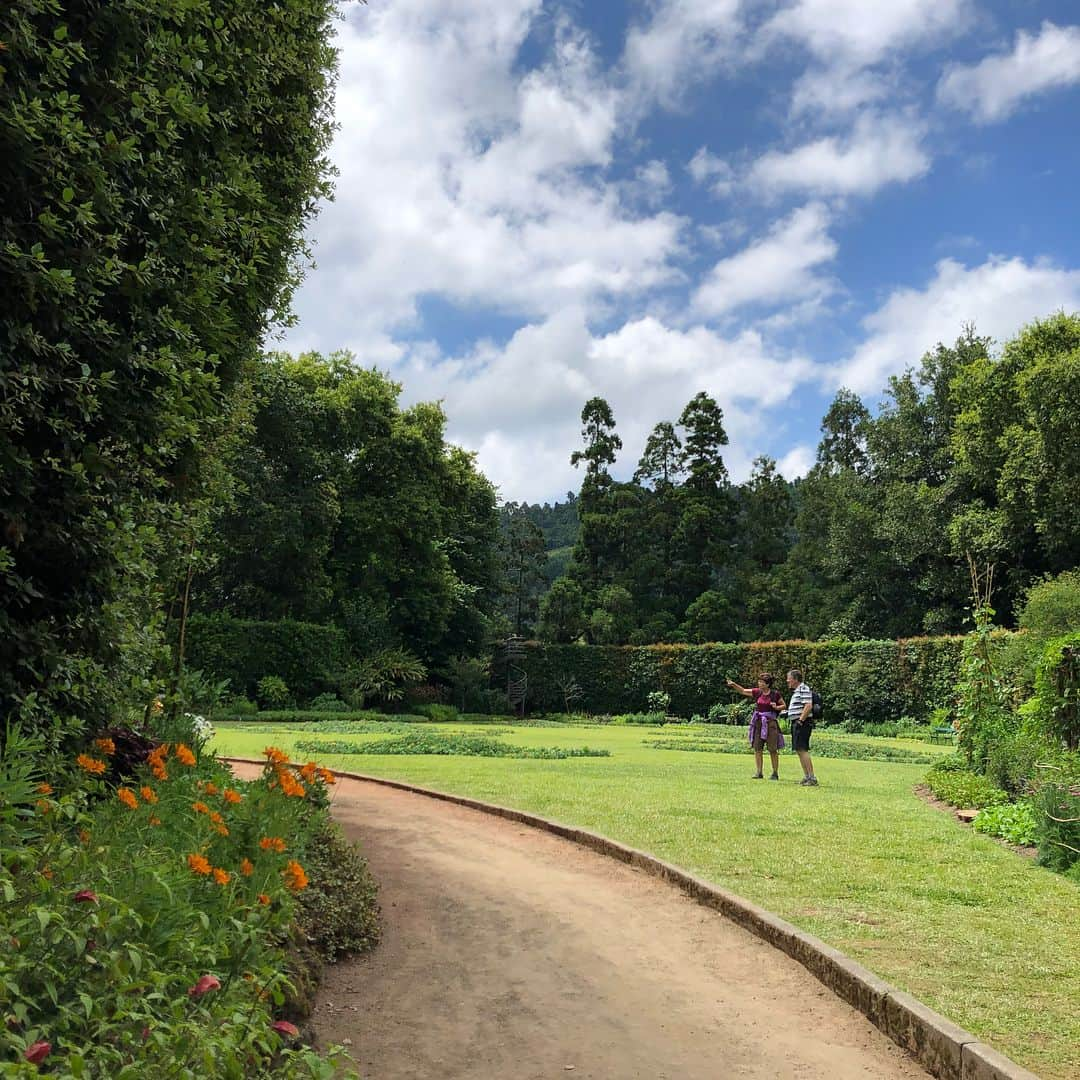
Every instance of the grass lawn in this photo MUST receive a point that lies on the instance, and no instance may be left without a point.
(978, 933)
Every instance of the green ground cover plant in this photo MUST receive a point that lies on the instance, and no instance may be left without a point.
(822, 747)
(454, 745)
(944, 913)
(149, 902)
(1015, 822)
(963, 789)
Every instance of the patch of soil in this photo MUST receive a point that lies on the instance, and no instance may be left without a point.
(966, 817)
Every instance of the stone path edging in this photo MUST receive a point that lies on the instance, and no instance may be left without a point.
(943, 1049)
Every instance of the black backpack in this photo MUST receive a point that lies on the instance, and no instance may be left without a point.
(816, 706)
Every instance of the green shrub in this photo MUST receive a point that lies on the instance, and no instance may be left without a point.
(385, 677)
(439, 714)
(1057, 692)
(238, 706)
(273, 693)
(966, 790)
(328, 703)
(1014, 822)
(309, 658)
(658, 701)
(338, 912)
(307, 717)
(880, 731)
(952, 763)
(650, 719)
(1057, 815)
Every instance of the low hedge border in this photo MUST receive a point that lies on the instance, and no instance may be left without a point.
(943, 1049)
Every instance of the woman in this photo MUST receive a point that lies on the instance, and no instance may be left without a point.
(764, 725)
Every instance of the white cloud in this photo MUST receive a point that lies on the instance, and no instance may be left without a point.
(998, 296)
(798, 461)
(781, 267)
(681, 42)
(855, 32)
(838, 90)
(993, 88)
(518, 406)
(707, 168)
(650, 185)
(464, 177)
(879, 150)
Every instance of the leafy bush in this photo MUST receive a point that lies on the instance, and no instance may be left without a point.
(1014, 822)
(735, 712)
(1057, 817)
(385, 677)
(158, 165)
(658, 701)
(651, 719)
(1057, 692)
(966, 790)
(429, 742)
(328, 703)
(239, 706)
(141, 919)
(951, 764)
(273, 693)
(439, 714)
(880, 731)
(338, 912)
(306, 716)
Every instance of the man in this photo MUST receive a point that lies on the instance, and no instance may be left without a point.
(801, 714)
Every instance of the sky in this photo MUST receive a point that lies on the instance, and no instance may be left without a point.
(541, 201)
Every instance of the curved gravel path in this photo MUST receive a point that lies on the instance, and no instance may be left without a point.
(510, 954)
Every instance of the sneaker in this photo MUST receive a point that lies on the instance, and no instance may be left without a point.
(774, 777)
(804, 782)
(811, 781)
(757, 776)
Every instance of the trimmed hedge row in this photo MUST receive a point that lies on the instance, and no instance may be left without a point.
(865, 681)
(308, 657)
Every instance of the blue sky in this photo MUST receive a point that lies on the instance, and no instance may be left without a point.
(539, 202)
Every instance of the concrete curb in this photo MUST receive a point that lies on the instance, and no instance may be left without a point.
(943, 1049)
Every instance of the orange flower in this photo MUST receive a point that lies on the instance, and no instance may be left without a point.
(200, 808)
(44, 789)
(221, 830)
(210, 788)
(84, 836)
(90, 765)
(247, 867)
(43, 807)
(155, 820)
(295, 878)
(47, 873)
(290, 786)
(217, 819)
(105, 745)
(272, 843)
(184, 755)
(127, 797)
(308, 772)
(160, 772)
(231, 796)
(327, 776)
(198, 864)
(221, 876)
(276, 756)
(147, 793)
(263, 898)
(159, 753)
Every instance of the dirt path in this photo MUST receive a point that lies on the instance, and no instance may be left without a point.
(510, 954)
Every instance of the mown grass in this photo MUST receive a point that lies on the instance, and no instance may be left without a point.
(978, 933)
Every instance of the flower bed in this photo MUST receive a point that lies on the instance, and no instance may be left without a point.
(147, 908)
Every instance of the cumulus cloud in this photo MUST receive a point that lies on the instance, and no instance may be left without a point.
(879, 150)
(781, 267)
(996, 86)
(854, 32)
(680, 43)
(712, 171)
(463, 177)
(798, 461)
(518, 406)
(998, 296)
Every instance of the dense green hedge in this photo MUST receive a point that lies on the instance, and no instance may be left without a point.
(309, 658)
(862, 681)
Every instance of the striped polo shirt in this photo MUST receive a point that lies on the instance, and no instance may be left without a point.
(800, 697)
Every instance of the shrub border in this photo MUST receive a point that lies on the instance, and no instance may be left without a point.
(943, 1049)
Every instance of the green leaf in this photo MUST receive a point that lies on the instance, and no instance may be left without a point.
(68, 194)
(60, 33)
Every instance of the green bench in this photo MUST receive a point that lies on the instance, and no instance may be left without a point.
(944, 732)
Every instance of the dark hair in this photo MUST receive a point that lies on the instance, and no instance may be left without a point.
(795, 674)
(765, 679)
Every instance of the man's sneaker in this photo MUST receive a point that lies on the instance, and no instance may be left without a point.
(774, 777)
(804, 782)
(811, 781)
(757, 776)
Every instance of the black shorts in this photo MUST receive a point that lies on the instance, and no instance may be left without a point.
(800, 736)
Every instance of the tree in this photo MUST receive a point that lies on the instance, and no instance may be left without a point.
(843, 435)
(524, 561)
(561, 618)
(158, 165)
(703, 422)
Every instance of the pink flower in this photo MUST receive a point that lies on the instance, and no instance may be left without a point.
(37, 1052)
(205, 984)
(283, 1027)
(85, 896)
